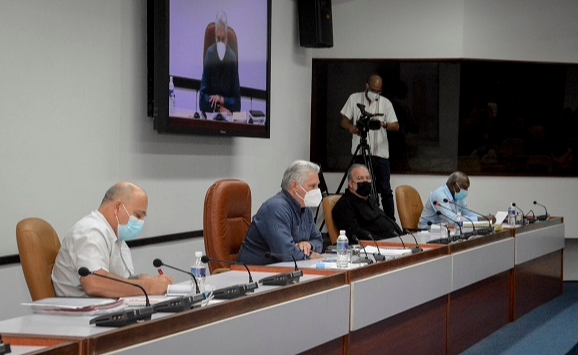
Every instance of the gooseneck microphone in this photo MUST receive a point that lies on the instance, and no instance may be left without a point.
(377, 256)
(417, 248)
(480, 231)
(544, 216)
(523, 214)
(158, 263)
(367, 259)
(234, 291)
(124, 317)
(439, 213)
(207, 259)
(282, 279)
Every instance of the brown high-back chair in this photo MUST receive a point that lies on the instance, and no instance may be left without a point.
(226, 219)
(328, 204)
(409, 206)
(210, 40)
(38, 245)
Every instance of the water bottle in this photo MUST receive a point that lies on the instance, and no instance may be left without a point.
(172, 97)
(511, 216)
(342, 250)
(199, 269)
(458, 224)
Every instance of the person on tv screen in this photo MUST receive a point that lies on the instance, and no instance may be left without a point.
(98, 243)
(220, 90)
(284, 224)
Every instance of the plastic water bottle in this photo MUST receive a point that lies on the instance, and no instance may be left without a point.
(511, 216)
(342, 250)
(199, 269)
(459, 223)
(172, 97)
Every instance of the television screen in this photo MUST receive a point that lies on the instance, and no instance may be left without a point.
(209, 66)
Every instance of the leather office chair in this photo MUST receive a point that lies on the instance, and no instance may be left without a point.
(38, 245)
(210, 40)
(409, 206)
(328, 204)
(226, 219)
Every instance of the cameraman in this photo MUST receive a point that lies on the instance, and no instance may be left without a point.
(375, 132)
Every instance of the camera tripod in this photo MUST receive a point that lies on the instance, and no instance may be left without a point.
(366, 154)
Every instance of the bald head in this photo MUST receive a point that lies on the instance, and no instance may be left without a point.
(375, 80)
(124, 190)
(457, 181)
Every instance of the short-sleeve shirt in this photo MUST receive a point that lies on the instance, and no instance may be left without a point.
(91, 243)
(376, 139)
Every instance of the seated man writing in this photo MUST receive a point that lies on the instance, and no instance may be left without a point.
(455, 192)
(284, 224)
(357, 212)
(98, 242)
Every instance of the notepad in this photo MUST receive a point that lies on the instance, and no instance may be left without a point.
(78, 306)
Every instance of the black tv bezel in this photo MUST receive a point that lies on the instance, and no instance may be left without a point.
(157, 78)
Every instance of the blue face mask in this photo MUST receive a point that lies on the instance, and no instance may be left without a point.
(462, 194)
(131, 229)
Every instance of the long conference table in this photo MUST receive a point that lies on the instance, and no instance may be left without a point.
(438, 301)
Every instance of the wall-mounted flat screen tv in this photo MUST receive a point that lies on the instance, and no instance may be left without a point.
(209, 66)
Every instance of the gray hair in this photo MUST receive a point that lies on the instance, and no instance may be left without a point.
(353, 167)
(298, 171)
(456, 176)
(221, 20)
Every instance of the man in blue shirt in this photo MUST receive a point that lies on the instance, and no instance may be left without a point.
(454, 191)
(284, 224)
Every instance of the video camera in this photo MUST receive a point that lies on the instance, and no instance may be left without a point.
(365, 123)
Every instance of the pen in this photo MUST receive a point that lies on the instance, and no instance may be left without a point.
(160, 271)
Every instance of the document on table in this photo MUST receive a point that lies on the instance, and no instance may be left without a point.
(78, 306)
(387, 251)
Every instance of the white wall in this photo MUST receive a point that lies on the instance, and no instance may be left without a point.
(73, 114)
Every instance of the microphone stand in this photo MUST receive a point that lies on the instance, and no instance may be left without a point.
(480, 231)
(235, 290)
(439, 213)
(124, 317)
(417, 248)
(282, 279)
(522, 212)
(367, 259)
(377, 257)
(544, 216)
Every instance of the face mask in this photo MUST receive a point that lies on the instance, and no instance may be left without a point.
(462, 194)
(312, 198)
(373, 96)
(221, 47)
(131, 229)
(363, 188)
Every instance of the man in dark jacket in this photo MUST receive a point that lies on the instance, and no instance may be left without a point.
(357, 211)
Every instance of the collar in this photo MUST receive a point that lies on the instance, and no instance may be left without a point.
(295, 206)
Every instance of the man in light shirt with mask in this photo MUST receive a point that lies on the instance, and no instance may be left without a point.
(376, 139)
(357, 212)
(220, 90)
(284, 224)
(455, 192)
(98, 242)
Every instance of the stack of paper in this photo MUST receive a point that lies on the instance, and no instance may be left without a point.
(387, 251)
(76, 306)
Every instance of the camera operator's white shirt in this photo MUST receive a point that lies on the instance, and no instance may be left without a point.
(377, 140)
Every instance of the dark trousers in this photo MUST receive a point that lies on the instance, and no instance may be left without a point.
(382, 184)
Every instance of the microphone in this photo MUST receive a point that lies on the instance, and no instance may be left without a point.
(207, 259)
(544, 216)
(282, 279)
(124, 317)
(367, 259)
(439, 213)
(480, 231)
(449, 209)
(377, 257)
(158, 263)
(417, 248)
(523, 215)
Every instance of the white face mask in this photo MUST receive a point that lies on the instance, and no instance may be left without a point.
(221, 48)
(373, 96)
(312, 198)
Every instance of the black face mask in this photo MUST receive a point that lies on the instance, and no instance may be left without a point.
(363, 188)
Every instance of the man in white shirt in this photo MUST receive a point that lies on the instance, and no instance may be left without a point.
(376, 139)
(98, 242)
